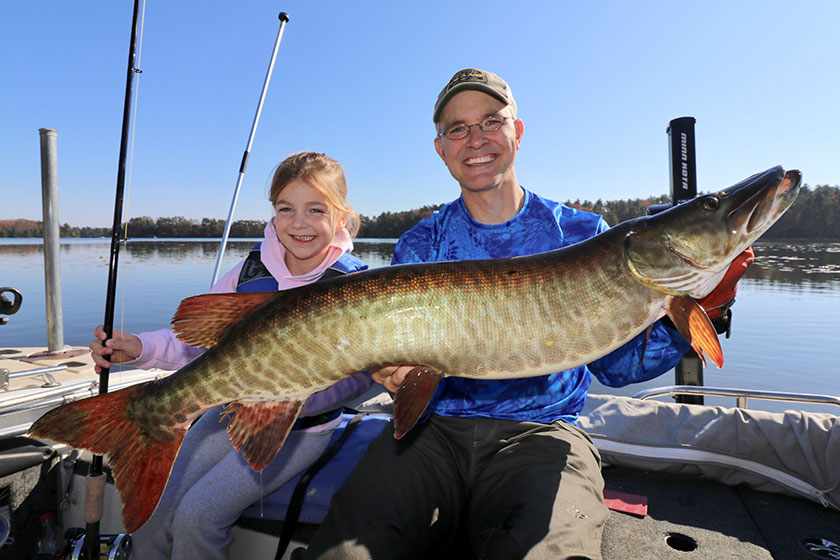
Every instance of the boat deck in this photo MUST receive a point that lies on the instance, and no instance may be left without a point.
(688, 518)
(693, 517)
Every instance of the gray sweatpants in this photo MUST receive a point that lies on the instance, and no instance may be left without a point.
(498, 488)
(209, 488)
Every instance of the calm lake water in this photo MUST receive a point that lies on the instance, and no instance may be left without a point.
(784, 335)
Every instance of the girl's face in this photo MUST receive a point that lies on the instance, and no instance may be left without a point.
(306, 226)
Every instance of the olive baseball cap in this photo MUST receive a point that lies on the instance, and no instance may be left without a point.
(472, 78)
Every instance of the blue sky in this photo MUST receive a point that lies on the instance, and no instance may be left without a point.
(596, 84)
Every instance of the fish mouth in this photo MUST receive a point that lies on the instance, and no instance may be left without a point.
(758, 201)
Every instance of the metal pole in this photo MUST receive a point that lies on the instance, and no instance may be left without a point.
(52, 240)
(284, 18)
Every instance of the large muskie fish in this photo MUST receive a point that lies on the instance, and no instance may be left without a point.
(484, 319)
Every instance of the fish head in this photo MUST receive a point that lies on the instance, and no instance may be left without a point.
(687, 249)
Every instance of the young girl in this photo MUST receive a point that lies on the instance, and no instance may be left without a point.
(308, 239)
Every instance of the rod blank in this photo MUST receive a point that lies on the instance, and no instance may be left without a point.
(284, 18)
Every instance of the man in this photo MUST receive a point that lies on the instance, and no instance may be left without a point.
(498, 469)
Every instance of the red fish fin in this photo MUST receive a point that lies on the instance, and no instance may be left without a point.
(413, 397)
(258, 430)
(201, 320)
(693, 323)
(140, 462)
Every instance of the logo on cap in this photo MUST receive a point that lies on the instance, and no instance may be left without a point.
(468, 75)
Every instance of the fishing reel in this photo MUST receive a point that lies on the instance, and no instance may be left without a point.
(112, 547)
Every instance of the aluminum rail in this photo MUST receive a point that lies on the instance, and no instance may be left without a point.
(740, 395)
(43, 397)
(6, 376)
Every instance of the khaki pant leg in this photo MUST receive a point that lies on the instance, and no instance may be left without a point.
(402, 501)
(540, 496)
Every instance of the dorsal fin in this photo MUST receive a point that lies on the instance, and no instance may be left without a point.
(201, 320)
(693, 323)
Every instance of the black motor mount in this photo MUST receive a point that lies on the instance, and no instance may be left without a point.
(9, 306)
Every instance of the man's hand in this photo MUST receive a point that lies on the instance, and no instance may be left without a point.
(391, 377)
(718, 302)
(122, 347)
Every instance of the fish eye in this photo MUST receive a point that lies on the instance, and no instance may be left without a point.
(711, 203)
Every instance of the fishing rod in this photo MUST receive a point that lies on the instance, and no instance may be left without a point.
(284, 18)
(95, 483)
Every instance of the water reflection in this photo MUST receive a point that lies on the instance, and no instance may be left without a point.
(28, 253)
(796, 263)
(7, 249)
(375, 252)
(776, 261)
(178, 249)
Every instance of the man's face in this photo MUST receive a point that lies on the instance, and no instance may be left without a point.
(483, 160)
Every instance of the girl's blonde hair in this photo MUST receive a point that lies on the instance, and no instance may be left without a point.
(323, 174)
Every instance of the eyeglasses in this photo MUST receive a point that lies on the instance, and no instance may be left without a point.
(460, 131)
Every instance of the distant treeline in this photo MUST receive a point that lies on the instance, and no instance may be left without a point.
(393, 224)
(815, 215)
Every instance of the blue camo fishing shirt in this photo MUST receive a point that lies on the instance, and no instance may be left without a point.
(541, 225)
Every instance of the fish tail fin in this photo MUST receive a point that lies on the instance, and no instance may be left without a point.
(140, 461)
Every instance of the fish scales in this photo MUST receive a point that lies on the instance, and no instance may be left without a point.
(450, 316)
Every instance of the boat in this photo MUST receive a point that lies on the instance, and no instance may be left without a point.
(38, 477)
(683, 480)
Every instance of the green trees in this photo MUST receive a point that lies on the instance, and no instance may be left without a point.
(814, 216)
(617, 211)
(21, 228)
